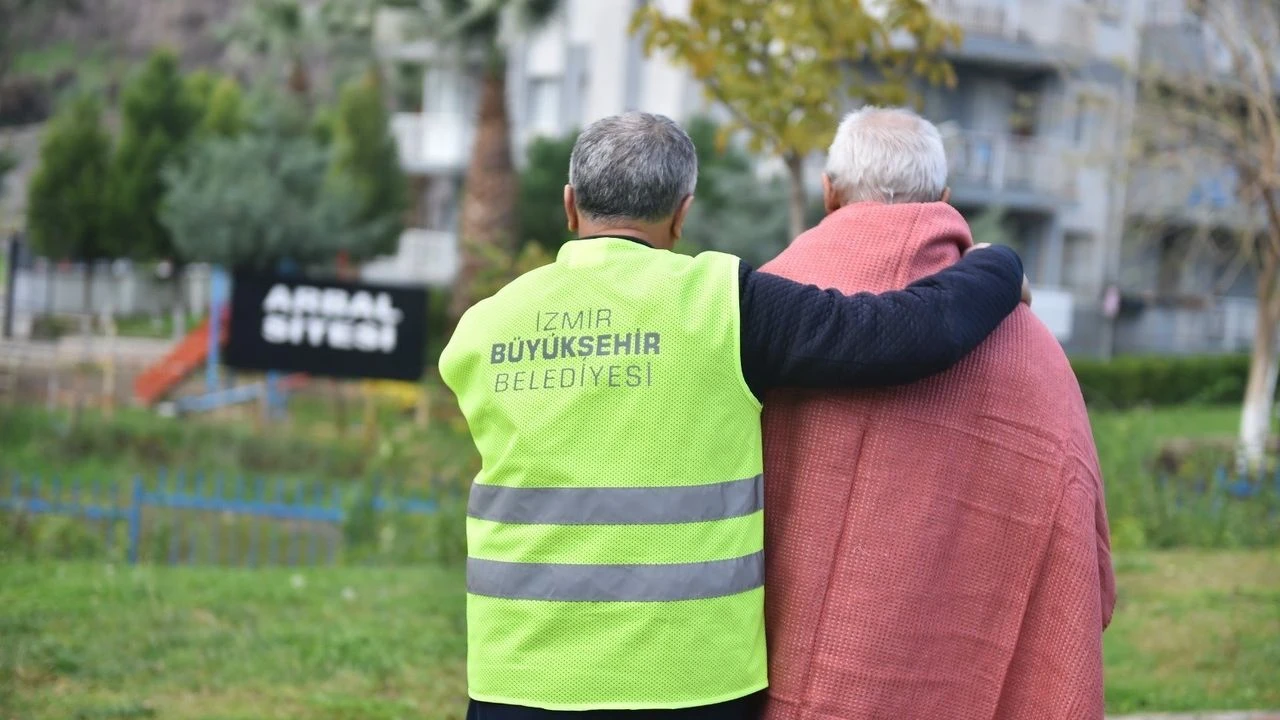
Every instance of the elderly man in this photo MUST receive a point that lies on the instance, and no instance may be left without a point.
(615, 532)
(938, 550)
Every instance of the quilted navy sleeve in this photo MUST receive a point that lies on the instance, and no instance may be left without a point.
(802, 336)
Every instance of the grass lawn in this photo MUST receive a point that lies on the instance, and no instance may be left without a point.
(1193, 631)
(86, 642)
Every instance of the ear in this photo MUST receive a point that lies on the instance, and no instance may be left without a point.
(830, 198)
(946, 195)
(571, 208)
(677, 220)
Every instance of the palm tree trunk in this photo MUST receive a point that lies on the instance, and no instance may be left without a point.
(489, 224)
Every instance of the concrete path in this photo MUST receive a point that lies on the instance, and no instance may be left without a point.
(77, 348)
(1249, 715)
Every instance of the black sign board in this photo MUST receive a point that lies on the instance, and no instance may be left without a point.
(327, 328)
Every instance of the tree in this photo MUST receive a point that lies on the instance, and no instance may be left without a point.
(224, 111)
(293, 37)
(736, 211)
(66, 207)
(8, 161)
(264, 196)
(275, 31)
(541, 198)
(786, 69)
(367, 158)
(346, 28)
(749, 224)
(992, 226)
(159, 116)
(1219, 111)
(489, 218)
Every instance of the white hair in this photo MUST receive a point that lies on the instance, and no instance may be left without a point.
(888, 155)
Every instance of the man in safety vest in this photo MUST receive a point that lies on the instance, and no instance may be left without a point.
(615, 531)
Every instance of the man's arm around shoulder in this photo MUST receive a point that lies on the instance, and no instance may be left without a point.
(800, 335)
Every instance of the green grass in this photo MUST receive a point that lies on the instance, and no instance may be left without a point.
(1145, 514)
(1192, 631)
(1195, 631)
(47, 61)
(152, 326)
(324, 439)
(93, 65)
(82, 641)
(308, 446)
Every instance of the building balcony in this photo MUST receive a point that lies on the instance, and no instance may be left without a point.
(1016, 173)
(997, 34)
(432, 143)
(1203, 193)
(984, 17)
(1168, 13)
(423, 257)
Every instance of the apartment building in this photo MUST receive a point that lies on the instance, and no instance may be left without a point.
(1193, 290)
(1038, 126)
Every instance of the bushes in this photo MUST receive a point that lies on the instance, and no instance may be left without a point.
(1162, 380)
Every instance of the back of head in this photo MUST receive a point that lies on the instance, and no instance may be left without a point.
(887, 155)
(634, 166)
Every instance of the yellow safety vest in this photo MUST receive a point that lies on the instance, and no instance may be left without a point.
(615, 531)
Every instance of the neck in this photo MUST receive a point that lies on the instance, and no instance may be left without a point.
(658, 236)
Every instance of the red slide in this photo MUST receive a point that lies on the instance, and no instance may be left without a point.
(156, 381)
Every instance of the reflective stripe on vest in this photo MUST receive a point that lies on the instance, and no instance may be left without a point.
(615, 583)
(617, 506)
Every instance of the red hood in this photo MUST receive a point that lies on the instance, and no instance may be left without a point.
(877, 247)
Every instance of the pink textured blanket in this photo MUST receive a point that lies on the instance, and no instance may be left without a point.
(938, 550)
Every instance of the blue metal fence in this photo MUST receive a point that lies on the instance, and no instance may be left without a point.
(190, 519)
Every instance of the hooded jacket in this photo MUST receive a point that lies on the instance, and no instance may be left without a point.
(936, 550)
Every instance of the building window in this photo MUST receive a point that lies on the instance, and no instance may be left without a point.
(1078, 262)
(409, 83)
(1023, 115)
(1090, 121)
(442, 91)
(544, 106)
(1111, 11)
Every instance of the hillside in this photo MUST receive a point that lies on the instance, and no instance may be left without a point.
(94, 49)
(129, 29)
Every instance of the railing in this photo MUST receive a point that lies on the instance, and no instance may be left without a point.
(1197, 188)
(182, 519)
(1075, 28)
(978, 16)
(1169, 12)
(1079, 27)
(1002, 162)
(432, 142)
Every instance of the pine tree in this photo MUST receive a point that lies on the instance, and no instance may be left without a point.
(66, 206)
(367, 158)
(160, 115)
(224, 113)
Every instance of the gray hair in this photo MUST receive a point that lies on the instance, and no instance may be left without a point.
(888, 155)
(635, 166)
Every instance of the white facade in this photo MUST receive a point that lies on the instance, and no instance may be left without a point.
(1039, 124)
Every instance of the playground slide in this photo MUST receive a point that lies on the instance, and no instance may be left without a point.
(189, 355)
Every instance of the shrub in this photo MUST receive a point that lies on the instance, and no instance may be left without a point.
(1162, 380)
